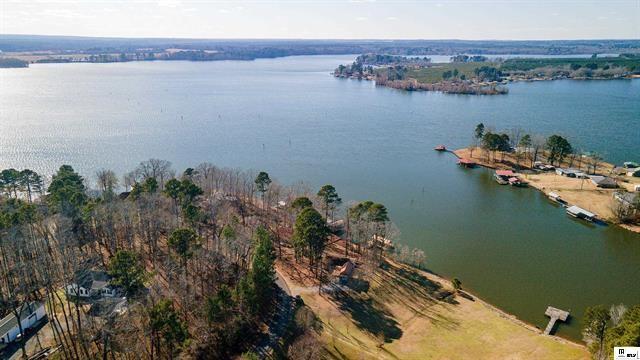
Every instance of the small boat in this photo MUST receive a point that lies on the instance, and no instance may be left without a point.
(514, 181)
(503, 177)
(440, 148)
(500, 180)
(556, 198)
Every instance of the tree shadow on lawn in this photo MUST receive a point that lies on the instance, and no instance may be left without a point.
(368, 315)
(407, 286)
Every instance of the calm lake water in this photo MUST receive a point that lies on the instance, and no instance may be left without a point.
(289, 117)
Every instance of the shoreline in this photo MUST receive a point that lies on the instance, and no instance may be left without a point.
(474, 318)
(467, 88)
(580, 192)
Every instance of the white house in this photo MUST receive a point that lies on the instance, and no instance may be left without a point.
(29, 317)
(90, 283)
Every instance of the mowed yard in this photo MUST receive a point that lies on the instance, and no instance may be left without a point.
(400, 317)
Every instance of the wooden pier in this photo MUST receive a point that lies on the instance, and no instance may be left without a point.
(554, 315)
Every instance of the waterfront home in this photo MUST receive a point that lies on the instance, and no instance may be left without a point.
(343, 273)
(619, 171)
(604, 182)
(466, 162)
(630, 165)
(30, 315)
(91, 283)
(627, 199)
(634, 172)
(335, 225)
(572, 173)
(580, 213)
(542, 166)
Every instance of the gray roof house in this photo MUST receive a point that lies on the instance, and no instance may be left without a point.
(603, 182)
(30, 315)
(91, 283)
(626, 198)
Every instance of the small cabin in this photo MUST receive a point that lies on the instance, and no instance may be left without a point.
(604, 182)
(29, 317)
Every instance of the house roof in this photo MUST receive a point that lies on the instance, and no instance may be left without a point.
(10, 321)
(578, 210)
(345, 270)
(92, 279)
(627, 197)
(602, 180)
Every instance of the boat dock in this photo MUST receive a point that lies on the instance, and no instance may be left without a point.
(554, 315)
(580, 213)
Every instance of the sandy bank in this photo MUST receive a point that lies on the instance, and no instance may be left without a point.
(580, 192)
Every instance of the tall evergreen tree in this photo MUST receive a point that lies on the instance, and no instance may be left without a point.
(330, 199)
(262, 268)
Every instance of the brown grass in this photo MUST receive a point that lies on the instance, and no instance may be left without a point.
(580, 192)
(401, 316)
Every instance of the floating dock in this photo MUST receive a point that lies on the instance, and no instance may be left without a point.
(554, 315)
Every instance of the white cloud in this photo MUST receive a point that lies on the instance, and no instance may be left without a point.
(392, 18)
(361, 18)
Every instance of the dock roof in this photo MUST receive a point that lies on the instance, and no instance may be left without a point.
(578, 210)
(504, 173)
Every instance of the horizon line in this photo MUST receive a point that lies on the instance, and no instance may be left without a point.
(308, 39)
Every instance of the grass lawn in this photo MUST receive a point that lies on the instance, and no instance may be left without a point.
(399, 317)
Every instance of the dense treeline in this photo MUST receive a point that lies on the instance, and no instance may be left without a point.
(190, 253)
(12, 63)
(603, 329)
(192, 256)
(310, 47)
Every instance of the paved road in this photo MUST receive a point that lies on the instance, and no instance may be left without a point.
(281, 318)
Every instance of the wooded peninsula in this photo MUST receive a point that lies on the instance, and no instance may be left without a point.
(479, 75)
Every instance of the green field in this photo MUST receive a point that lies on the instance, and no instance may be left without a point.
(433, 74)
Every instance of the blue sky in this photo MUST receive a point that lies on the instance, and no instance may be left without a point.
(329, 19)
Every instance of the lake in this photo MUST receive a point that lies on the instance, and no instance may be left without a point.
(289, 117)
